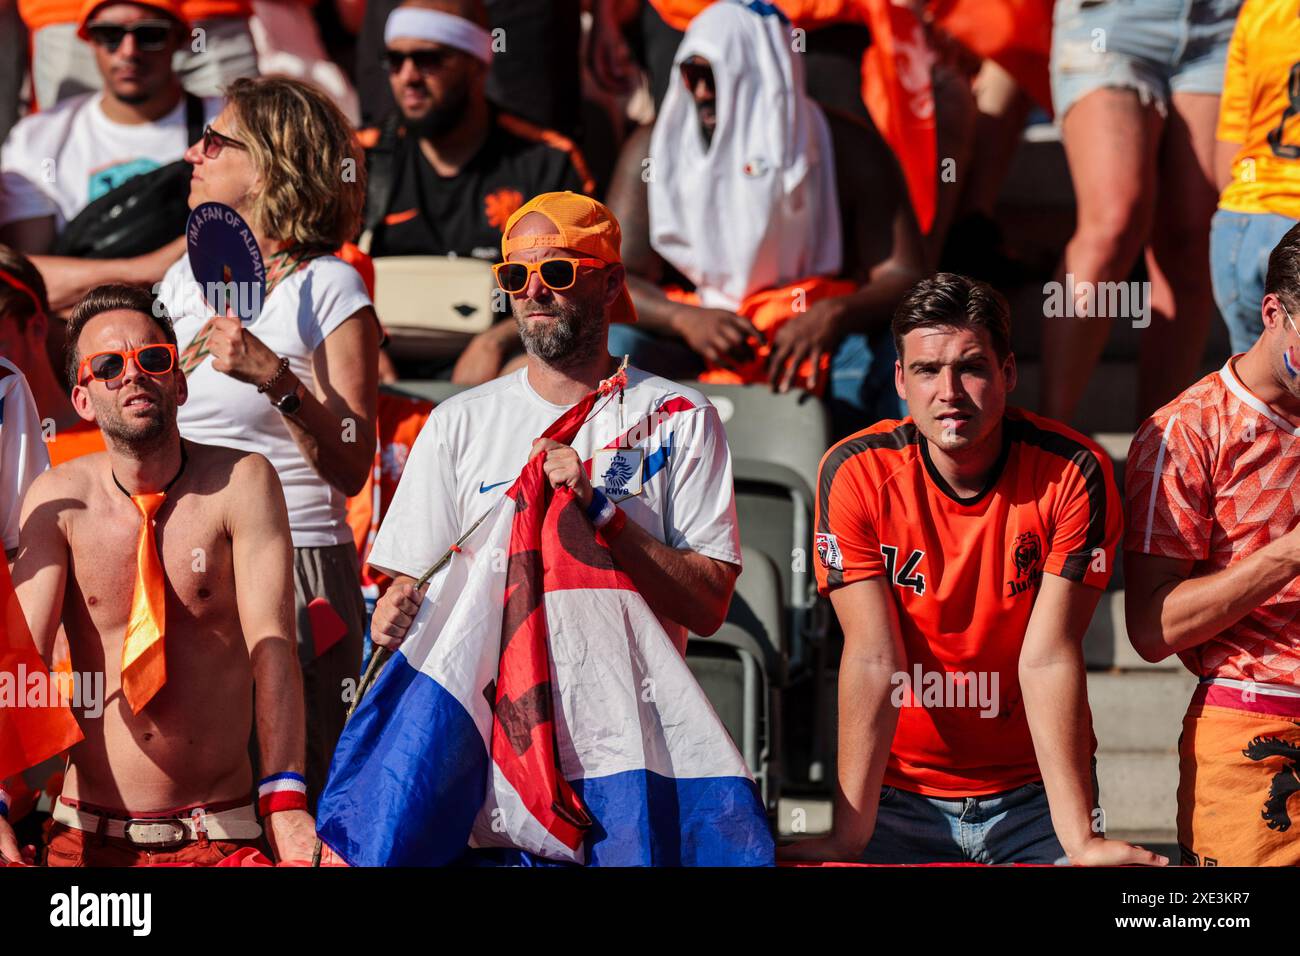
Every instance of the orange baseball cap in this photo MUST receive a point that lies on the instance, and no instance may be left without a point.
(171, 8)
(582, 224)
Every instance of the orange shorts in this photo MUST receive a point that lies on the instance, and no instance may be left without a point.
(1238, 767)
(67, 846)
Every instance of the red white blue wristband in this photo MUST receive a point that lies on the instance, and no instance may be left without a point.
(5, 800)
(281, 791)
(601, 510)
(605, 516)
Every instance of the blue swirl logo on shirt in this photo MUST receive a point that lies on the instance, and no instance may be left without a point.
(104, 181)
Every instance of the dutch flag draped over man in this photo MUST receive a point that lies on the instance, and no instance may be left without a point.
(538, 712)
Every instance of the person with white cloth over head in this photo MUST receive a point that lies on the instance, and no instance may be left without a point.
(768, 239)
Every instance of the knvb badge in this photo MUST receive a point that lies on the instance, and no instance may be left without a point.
(619, 472)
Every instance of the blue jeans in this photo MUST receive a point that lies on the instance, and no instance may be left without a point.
(860, 391)
(1240, 243)
(1014, 826)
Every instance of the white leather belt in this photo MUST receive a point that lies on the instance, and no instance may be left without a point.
(157, 833)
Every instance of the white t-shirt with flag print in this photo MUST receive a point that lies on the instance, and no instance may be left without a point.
(474, 445)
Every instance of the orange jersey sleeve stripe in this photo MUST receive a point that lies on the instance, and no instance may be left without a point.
(526, 130)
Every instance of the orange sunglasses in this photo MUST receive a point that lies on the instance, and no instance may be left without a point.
(556, 274)
(157, 359)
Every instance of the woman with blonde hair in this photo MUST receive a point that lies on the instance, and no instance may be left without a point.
(297, 383)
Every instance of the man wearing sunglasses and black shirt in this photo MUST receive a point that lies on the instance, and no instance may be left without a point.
(58, 161)
(448, 168)
(169, 563)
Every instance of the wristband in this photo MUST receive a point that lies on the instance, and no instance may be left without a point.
(281, 791)
(4, 804)
(615, 526)
(601, 510)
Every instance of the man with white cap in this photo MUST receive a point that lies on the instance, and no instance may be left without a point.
(670, 517)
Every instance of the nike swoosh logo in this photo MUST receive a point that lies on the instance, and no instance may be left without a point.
(397, 218)
(482, 488)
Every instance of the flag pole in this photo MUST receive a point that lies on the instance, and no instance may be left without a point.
(381, 654)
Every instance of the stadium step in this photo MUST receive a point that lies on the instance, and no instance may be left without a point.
(1106, 645)
(1138, 790)
(1139, 711)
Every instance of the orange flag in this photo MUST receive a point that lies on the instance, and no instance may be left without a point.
(28, 734)
(1016, 34)
(900, 98)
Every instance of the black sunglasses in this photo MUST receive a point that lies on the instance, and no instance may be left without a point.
(150, 35)
(214, 143)
(426, 61)
(693, 73)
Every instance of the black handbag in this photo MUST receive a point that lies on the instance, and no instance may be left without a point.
(143, 214)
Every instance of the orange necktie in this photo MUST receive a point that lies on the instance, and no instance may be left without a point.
(144, 669)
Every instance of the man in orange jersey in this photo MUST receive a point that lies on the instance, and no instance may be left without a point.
(965, 549)
(1211, 559)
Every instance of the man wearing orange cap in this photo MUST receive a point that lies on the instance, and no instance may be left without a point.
(652, 467)
(58, 161)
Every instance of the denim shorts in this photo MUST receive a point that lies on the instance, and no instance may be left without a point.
(1014, 826)
(1154, 47)
(1240, 243)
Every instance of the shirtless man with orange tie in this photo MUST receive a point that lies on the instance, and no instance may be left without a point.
(184, 619)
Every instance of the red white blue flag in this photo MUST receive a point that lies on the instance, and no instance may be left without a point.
(538, 712)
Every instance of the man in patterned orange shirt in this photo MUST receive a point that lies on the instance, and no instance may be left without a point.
(1211, 560)
(965, 549)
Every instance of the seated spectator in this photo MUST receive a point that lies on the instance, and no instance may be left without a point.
(297, 382)
(447, 168)
(1258, 170)
(24, 324)
(58, 161)
(747, 265)
(64, 66)
(535, 68)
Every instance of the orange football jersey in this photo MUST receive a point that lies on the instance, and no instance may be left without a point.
(964, 574)
(1212, 477)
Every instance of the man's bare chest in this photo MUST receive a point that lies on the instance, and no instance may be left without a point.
(193, 547)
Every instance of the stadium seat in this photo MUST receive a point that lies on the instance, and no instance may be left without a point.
(431, 306)
(742, 670)
(777, 442)
(428, 389)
